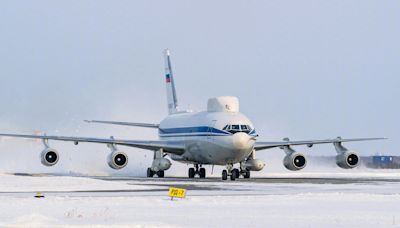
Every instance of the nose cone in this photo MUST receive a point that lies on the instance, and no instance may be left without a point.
(242, 141)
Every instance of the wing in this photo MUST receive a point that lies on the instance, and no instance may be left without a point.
(173, 147)
(147, 125)
(309, 143)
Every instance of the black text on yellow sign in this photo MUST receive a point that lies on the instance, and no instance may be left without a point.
(177, 193)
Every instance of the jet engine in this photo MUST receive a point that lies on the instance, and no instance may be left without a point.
(254, 164)
(49, 157)
(294, 161)
(117, 160)
(345, 158)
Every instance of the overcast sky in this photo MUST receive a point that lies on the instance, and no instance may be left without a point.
(301, 69)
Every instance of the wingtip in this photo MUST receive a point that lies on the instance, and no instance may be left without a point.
(380, 138)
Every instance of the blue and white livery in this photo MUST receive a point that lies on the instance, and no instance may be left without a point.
(221, 135)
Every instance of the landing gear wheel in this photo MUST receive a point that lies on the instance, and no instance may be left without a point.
(192, 173)
(224, 175)
(160, 174)
(202, 173)
(233, 176)
(236, 173)
(150, 172)
(246, 175)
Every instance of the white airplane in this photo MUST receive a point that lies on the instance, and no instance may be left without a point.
(219, 136)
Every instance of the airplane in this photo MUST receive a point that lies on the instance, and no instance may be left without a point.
(221, 136)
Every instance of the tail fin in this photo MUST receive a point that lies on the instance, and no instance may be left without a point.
(171, 92)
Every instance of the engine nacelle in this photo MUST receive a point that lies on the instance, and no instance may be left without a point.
(49, 157)
(118, 160)
(347, 160)
(295, 161)
(254, 165)
(161, 164)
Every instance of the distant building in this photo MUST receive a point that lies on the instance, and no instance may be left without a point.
(383, 162)
(373, 162)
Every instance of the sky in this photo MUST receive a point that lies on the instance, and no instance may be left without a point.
(301, 69)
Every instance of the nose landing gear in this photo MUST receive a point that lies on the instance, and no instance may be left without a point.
(230, 172)
(246, 174)
(197, 171)
(234, 173)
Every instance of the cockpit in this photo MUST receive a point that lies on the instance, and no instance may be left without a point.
(237, 128)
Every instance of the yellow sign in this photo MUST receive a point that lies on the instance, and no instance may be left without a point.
(177, 193)
(39, 195)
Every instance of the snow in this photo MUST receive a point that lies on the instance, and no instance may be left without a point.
(11, 183)
(210, 204)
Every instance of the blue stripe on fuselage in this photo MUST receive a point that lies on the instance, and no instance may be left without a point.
(191, 130)
(189, 135)
(196, 131)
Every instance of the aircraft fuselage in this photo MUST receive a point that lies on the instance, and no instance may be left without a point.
(206, 140)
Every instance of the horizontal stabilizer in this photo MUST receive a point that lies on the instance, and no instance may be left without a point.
(146, 125)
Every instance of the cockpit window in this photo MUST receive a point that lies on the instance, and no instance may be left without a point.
(245, 128)
(237, 128)
(234, 129)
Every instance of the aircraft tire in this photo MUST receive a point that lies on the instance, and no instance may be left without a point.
(150, 172)
(224, 175)
(233, 176)
(236, 173)
(160, 174)
(246, 175)
(202, 173)
(192, 173)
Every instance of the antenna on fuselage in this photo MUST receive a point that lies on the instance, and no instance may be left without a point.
(172, 98)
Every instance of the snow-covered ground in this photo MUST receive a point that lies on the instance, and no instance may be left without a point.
(139, 202)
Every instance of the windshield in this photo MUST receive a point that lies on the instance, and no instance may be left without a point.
(235, 128)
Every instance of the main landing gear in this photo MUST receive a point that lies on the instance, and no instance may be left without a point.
(151, 173)
(196, 170)
(234, 173)
(159, 165)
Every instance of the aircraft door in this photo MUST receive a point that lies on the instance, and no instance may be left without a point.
(210, 129)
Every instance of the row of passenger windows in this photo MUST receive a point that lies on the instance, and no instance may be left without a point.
(237, 128)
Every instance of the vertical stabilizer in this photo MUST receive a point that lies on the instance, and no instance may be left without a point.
(171, 92)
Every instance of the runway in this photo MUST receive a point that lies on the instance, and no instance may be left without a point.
(278, 200)
(217, 187)
(263, 180)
